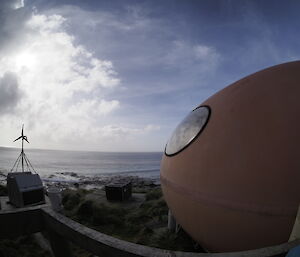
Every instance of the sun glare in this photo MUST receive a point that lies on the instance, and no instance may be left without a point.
(25, 59)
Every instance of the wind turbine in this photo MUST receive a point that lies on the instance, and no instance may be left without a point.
(24, 188)
(22, 155)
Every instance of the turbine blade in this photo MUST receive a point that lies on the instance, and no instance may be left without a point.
(22, 129)
(18, 138)
(26, 139)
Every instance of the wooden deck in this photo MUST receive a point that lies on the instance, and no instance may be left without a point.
(16, 222)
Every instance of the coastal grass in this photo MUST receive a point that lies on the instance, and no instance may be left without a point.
(145, 223)
(3, 190)
(24, 246)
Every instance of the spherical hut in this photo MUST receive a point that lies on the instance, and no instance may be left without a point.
(231, 169)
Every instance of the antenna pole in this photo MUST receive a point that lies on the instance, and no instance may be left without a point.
(22, 149)
(22, 153)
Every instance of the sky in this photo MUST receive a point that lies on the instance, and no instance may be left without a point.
(120, 75)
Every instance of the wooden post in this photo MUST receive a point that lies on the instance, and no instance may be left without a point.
(171, 222)
(296, 229)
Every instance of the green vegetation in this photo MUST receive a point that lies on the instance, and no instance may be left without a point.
(24, 246)
(72, 198)
(3, 190)
(144, 223)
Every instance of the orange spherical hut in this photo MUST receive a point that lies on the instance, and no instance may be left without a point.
(236, 185)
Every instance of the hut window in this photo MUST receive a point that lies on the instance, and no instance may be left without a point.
(187, 131)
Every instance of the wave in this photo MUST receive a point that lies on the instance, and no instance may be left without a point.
(129, 171)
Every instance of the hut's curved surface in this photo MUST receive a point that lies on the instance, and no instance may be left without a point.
(236, 186)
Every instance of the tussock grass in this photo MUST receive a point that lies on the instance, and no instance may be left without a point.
(144, 224)
(24, 246)
(3, 190)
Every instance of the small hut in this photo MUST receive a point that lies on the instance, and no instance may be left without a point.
(118, 191)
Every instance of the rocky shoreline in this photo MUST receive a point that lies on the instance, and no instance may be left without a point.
(2, 178)
(66, 180)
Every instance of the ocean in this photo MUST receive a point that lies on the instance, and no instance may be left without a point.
(51, 163)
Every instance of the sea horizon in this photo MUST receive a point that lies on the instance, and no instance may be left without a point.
(74, 150)
(50, 163)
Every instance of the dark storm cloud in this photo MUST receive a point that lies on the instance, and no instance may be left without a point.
(12, 21)
(9, 92)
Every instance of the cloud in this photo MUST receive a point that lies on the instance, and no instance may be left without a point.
(63, 84)
(11, 4)
(66, 90)
(184, 55)
(93, 108)
(106, 107)
(144, 45)
(9, 93)
(12, 22)
(18, 4)
(113, 131)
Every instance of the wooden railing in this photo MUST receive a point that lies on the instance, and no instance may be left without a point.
(61, 230)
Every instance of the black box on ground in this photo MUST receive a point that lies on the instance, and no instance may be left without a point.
(118, 191)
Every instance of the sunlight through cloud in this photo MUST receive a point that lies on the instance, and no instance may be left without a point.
(63, 84)
(26, 59)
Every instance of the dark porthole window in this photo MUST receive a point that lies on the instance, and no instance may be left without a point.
(188, 130)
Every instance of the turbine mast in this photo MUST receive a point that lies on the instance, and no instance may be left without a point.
(22, 155)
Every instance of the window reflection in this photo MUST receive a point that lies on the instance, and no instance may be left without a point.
(188, 130)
